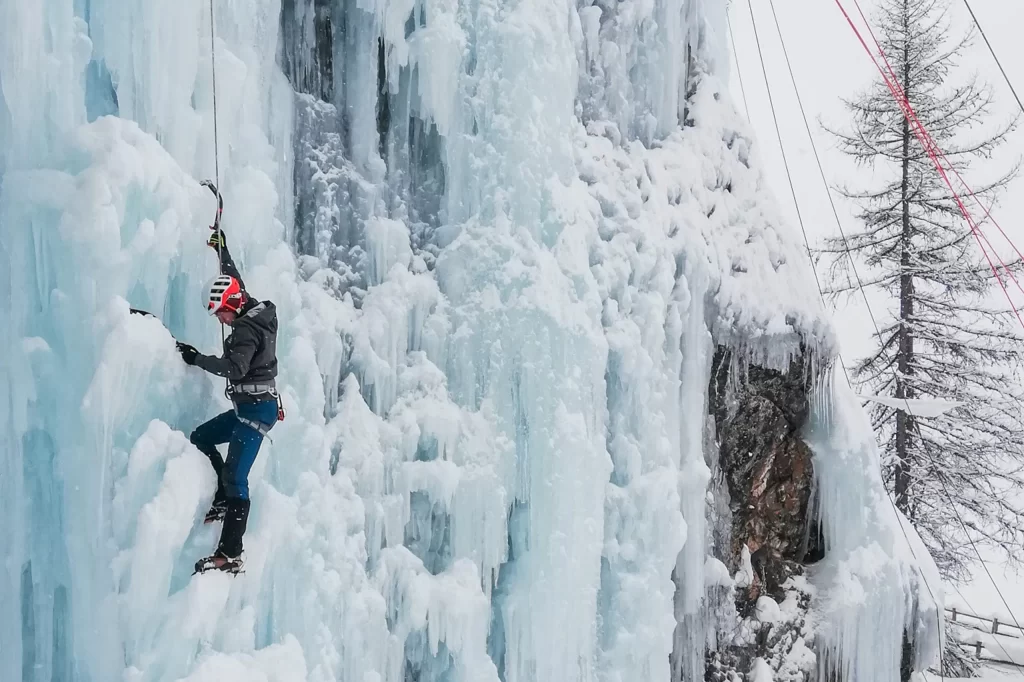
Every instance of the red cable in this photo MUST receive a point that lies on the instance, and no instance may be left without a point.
(933, 149)
(930, 148)
(946, 159)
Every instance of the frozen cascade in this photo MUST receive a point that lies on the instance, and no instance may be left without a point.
(877, 580)
(504, 240)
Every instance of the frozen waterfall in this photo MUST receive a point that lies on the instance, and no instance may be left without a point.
(504, 239)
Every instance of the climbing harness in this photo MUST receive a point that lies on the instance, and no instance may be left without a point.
(262, 428)
(255, 390)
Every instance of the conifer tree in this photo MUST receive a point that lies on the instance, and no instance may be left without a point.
(949, 333)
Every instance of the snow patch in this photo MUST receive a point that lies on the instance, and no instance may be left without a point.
(767, 610)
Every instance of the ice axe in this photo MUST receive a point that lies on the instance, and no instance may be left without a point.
(220, 202)
(138, 311)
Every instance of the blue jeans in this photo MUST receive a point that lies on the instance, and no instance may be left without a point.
(243, 445)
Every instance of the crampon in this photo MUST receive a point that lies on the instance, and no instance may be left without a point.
(220, 562)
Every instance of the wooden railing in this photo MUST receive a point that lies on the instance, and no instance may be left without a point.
(994, 626)
(1017, 631)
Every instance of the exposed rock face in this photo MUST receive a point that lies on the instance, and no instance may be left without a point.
(765, 464)
(763, 529)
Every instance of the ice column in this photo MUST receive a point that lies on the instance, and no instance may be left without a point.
(527, 342)
(877, 580)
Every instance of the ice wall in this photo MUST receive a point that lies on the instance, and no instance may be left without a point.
(877, 582)
(503, 239)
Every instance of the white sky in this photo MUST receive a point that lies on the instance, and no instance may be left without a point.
(829, 63)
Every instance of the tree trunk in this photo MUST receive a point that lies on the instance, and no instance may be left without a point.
(905, 354)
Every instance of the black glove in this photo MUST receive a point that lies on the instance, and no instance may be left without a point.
(217, 240)
(188, 353)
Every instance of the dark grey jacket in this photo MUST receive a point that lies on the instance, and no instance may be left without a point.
(250, 351)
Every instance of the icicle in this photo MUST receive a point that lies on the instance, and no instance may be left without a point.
(877, 581)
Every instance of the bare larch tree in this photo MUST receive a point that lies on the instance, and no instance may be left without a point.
(949, 333)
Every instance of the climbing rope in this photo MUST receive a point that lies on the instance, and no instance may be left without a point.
(215, 185)
(213, 74)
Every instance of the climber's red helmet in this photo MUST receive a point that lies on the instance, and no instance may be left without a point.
(224, 298)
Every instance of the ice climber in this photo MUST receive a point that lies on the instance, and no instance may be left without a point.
(249, 364)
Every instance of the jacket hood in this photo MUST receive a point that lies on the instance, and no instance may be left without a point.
(262, 314)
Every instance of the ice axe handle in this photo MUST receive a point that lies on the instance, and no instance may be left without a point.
(139, 311)
(220, 202)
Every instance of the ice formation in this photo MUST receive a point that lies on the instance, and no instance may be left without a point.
(877, 581)
(503, 239)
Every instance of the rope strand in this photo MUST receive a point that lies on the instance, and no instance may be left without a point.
(990, 49)
(736, 60)
(782, 148)
(213, 73)
(216, 156)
